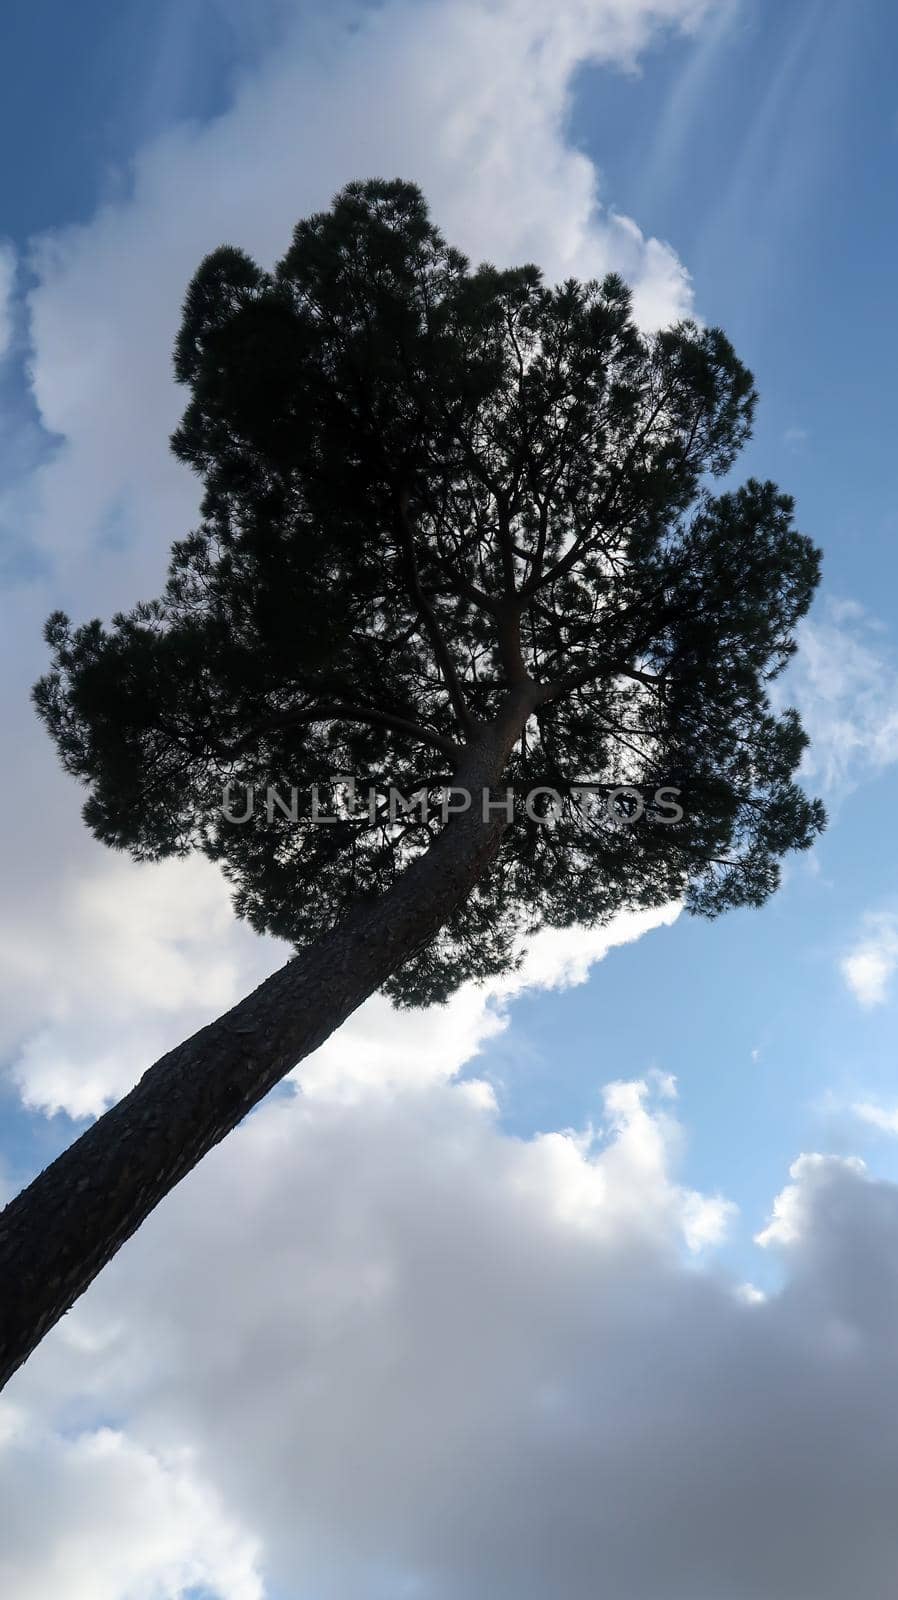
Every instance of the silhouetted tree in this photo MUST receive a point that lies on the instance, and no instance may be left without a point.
(457, 530)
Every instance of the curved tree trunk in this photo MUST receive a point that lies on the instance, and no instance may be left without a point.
(59, 1232)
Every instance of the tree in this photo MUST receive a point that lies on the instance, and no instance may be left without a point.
(457, 530)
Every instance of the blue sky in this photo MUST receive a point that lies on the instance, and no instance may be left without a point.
(759, 144)
(112, 76)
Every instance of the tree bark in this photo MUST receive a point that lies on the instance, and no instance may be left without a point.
(57, 1235)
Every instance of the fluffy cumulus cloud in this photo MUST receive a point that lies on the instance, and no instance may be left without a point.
(123, 964)
(124, 1521)
(381, 1348)
(468, 99)
(868, 968)
(118, 965)
(379, 1049)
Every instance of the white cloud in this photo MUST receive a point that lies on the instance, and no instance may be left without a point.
(108, 969)
(844, 682)
(379, 1049)
(868, 968)
(409, 1354)
(793, 1209)
(881, 1117)
(133, 959)
(125, 1524)
(470, 99)
(7, 285)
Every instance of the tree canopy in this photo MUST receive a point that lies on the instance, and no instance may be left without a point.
(425, 485)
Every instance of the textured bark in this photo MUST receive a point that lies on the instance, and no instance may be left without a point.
(59, 1232)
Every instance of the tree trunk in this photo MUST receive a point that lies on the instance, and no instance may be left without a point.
(59, 1232)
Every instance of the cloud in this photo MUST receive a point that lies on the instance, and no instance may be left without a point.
(869, 967)
(7, 285)
(793, 1208)
(133, 959)
(844, 682)
(125, 1522)
(796, 438)
(381, 1049)
(668, 155)
(877, 1116)
(469, 99)
(129, 961)
(408, 1354)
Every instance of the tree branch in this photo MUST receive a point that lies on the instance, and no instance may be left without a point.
(440, 648)
(335, 712)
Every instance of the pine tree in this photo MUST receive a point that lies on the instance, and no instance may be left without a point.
(457, 533)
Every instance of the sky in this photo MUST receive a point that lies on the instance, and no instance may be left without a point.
(585, 1283)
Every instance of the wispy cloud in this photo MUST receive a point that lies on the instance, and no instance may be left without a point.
(882, 1117)
(779, 169)
(845, 683)
(796, 438)
(7, 285)
(683, 105)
